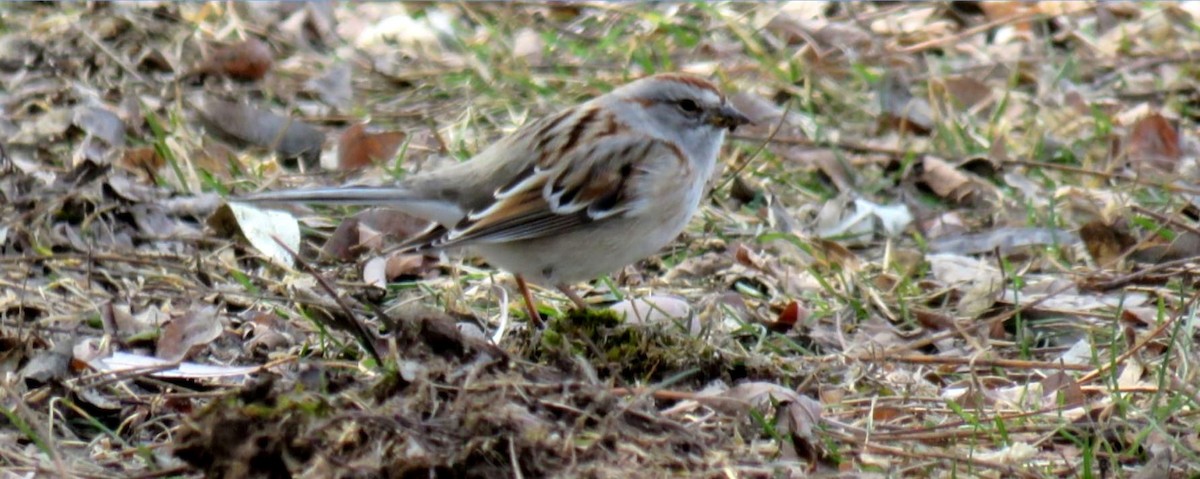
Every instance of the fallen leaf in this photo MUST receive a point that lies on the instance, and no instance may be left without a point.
(381, 270)
(357, 148)
(1106, 242)
(799, 414)
(944, 179)
(121, 362)
(216, 158)
(101, 123)
(249, 124)
(342, 243)
(261, 228)
(375, 272)
(859, 221)
(183, 334)
(1063, 388)
(333, 88)
(792, 313)
(1153, 142)
(967, 92)
(403, 264)
(903, 111)
(367, 229)
(48, 126)
(267, 332)
(143, 160)
(934, 320)
(655, 309)
(248, 60)
(999, 11)
(48, 365)
(954, 270)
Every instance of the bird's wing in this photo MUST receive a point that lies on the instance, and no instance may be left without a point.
(556, 194)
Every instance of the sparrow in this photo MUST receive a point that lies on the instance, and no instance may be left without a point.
(571, 196)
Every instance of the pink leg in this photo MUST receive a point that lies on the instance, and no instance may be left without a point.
(572, 296)
(529, 305)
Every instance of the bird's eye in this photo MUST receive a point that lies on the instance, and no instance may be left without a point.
(689, 106)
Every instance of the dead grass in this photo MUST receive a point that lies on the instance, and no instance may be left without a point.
(958, 242)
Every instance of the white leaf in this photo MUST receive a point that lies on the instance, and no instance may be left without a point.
(261, 227)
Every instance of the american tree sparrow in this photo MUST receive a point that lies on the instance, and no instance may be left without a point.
(571, 196)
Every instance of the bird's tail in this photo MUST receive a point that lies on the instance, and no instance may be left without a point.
(377, 196)
(400, 198)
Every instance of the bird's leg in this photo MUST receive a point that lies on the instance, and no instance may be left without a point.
(572, 296)
(529, 305)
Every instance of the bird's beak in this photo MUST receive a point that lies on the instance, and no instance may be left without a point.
(727, 117)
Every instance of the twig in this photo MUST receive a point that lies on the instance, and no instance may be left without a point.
(1166, 219)
(351, 325)
(1174, 188)
(108, 51)
(1009, 470)
(1131, 277)
(973, 362)
(937, 42)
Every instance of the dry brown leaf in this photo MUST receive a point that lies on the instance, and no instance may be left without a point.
(119, 320)
(407, 264)
(999, 11)
(1063, 387)
(843, 176)
(949, 223)
(185, 333)
(248, 60)
(381, 270)
(791, 315)
(933, 320)
(1106, 242)
(216, 158)
(888, 413)
(1152, 142)
(267, 332)
(343, 242)
(966, 92)
(367, 229)
(143, 160)
(944, 179)
(801, 414)
(357, 148)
